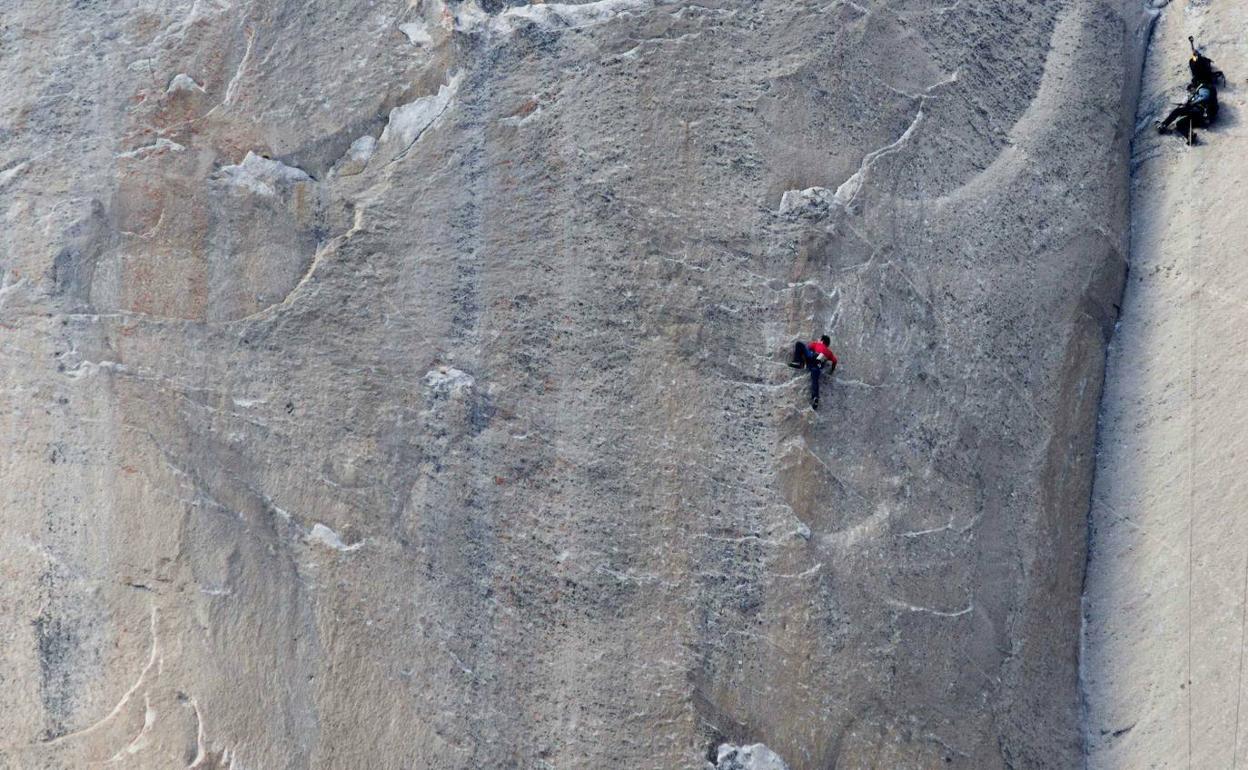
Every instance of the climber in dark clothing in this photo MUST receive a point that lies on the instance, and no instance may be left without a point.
(814, 356)
(1202, 67)
(1200, 108)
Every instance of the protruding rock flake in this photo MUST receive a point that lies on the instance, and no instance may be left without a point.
(263, 176)
(753, 757)
(409, 121)
(447, 382)
(813, 199)
(357, 156)
(327, 537)
(183, 82)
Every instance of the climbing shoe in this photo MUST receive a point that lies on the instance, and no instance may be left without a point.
(814, 403)
(794, 365)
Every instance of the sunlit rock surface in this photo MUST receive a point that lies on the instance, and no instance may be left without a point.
(1167, 587)
(402, 385)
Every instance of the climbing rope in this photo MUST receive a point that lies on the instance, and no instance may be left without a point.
(1191, 514)
(1193, 360)
(1239, 677)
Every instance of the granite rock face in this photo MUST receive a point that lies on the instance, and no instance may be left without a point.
(402, 385)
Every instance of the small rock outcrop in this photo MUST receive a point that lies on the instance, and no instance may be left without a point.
(755, 757)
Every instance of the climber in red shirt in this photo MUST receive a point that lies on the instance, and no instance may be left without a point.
(814, 356)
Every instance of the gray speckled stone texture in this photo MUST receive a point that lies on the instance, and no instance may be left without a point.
(401, 384)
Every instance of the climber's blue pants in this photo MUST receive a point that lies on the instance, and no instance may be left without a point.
(803, 355)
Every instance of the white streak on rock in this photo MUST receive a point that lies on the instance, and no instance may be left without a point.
(153, 660)
(231, 90)
(848, 191)
(569, 15)
(161, 144)
(11, 173)
(935, 530)
(930, 611)
(139, 742)
(201, 743)
(803, 574)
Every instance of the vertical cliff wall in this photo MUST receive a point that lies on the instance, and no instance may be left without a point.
(402, 385)
(1167, 586)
